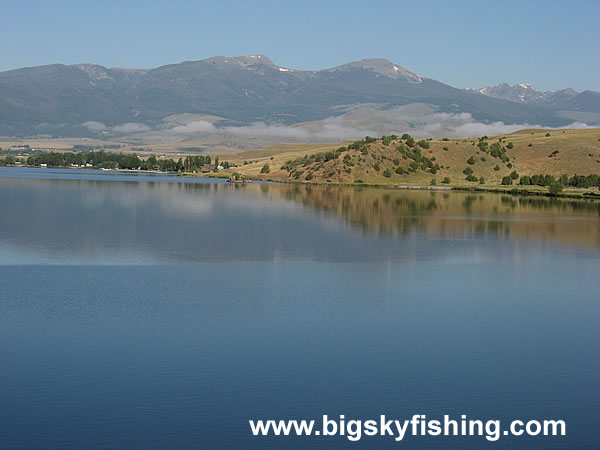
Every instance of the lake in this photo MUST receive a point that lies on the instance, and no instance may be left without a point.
(142, 310)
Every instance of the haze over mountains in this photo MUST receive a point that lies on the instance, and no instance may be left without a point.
(252, 95)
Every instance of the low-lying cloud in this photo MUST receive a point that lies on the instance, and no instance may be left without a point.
(94, 126)
(131, 127)
(195, 127)
(328, 129)
(339, 129)
(434, 124)
(125, 128)
(463, 125)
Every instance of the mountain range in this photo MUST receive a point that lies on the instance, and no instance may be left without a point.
(568, 99)
(88, 99)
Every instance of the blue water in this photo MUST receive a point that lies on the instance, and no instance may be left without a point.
(159, 313)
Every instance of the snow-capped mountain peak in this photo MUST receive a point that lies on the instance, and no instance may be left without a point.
(520, 92)
(380, 67)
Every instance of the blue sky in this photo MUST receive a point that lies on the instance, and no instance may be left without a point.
(549, 44)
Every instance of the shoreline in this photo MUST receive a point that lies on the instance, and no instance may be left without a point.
(515, 190)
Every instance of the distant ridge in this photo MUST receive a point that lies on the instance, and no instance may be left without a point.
(526, 93)
(58, 99)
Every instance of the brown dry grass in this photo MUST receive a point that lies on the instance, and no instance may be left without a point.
(578, 153)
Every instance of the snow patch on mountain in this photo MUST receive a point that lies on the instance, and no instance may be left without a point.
(380, 66)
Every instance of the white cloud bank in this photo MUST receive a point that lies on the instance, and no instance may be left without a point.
(195, 127)
(125, 128)
(328, 129)
(463, 125)
(131, 127)
(332, 129)
(94, 126)
(342, 128)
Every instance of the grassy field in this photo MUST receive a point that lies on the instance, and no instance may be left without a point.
(58, 144)
(156, 143)
(279, 150)
(533, 151)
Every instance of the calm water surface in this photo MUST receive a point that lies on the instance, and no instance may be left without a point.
(157, 311)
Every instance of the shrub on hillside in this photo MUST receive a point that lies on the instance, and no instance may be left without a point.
(555, 188)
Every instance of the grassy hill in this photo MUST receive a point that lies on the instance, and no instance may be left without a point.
(403, 161)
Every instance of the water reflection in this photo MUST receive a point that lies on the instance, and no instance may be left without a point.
(145, 221)
(446, 303)
(454, 215)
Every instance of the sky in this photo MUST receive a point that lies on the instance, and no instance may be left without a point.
(550, 44)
